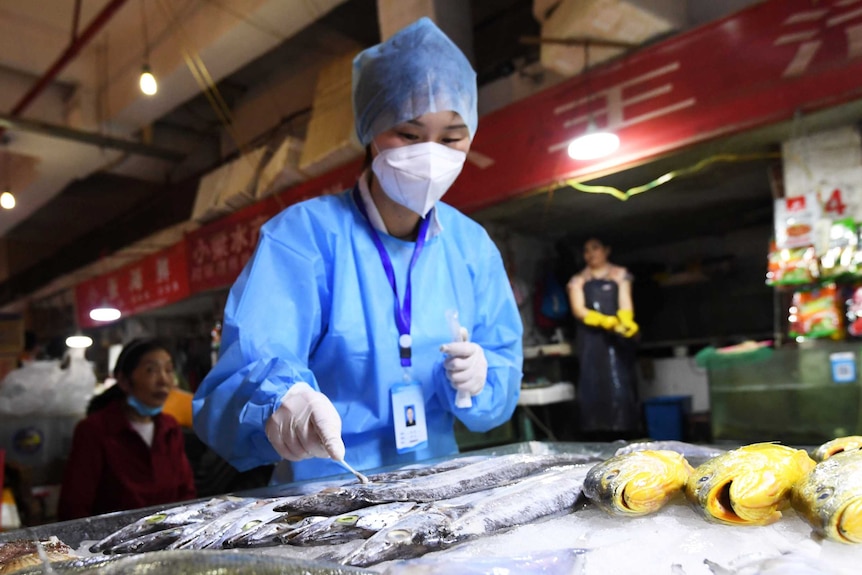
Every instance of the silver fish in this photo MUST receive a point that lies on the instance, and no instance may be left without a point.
(478, 476)
(149, 541)
(413, 471)
(414, 535)
(219, 562)
(445, 523)
(358, 524)
(271, 534)
(197, 512)
(215, 532)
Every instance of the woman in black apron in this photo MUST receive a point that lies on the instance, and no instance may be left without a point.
(601, 300)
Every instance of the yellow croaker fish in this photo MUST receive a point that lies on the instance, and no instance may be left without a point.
(637, 483)
(830, 497)
(748, 485)
(839, 445)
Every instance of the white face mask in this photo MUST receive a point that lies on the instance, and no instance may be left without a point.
(418, 175)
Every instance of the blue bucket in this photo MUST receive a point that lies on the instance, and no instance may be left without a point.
(666, 416)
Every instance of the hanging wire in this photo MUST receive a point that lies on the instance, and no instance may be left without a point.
(663, 179)
(146, 36)
(202, 76)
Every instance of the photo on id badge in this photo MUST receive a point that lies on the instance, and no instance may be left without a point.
(408, 410)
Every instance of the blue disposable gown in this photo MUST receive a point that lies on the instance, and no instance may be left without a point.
(313, 304)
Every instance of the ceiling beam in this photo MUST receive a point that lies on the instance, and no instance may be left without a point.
(69, 54)
(8, 122)
(171, 206)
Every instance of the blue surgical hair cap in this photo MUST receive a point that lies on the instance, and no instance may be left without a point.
(416, 71)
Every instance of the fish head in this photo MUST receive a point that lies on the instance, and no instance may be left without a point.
(830, 497)
(748, 485)
(838, 445)
(637, 483)
(411, 537)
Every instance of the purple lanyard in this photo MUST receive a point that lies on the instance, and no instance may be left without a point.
(402, 312)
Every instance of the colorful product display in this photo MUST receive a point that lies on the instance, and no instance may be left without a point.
(817, 313)
(814, 249)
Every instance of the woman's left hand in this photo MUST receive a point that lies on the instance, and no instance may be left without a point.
(466, 366)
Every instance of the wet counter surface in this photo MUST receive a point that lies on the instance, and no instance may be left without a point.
(674, 540)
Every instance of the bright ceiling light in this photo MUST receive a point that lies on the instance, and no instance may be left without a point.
(79, 341)
(148, 83)
(105, 313)
(7, 200)
(593, 144)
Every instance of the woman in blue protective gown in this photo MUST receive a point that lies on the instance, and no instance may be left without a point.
(600, 297)
(344, 314)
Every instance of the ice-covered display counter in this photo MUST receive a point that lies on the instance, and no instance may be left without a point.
(674, 540)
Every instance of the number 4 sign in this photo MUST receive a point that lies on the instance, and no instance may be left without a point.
(840, 194)
(834, 205)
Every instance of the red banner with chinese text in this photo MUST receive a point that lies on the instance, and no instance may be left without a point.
(219, 250)
(751, 69)
(155, 281)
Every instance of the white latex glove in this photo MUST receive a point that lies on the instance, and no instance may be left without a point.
(466, 366)
(305, 425)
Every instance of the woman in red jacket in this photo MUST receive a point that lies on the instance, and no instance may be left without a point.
(128, 454)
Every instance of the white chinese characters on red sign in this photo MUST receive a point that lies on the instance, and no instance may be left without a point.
(218, 257)
(155, 281)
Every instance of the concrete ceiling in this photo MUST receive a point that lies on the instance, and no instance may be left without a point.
(86, 207)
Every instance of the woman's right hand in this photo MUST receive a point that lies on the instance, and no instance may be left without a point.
(306, 424)
(597, 319)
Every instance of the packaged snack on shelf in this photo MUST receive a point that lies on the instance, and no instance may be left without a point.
(839, 256)
(817, 313)
(791, 266)
(795, 220)
(854, 310)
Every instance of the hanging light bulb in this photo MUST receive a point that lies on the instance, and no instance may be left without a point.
(7, 200)
(105, 313)
(593, 144)
(79, 341)
(148, 83)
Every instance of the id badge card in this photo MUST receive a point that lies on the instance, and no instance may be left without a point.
(408, 413)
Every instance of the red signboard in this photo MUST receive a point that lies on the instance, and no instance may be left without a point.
(155, 281)
(754, 68)
(218, 251)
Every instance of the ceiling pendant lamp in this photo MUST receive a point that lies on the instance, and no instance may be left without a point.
(147, 82)
(7, 198)
(594, 143)
(79, 341)
(105, 313)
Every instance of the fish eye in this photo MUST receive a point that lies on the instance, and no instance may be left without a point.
(348, 519)
(703, 479)
(157, 518)
(250, 524)
(611, 474)
(398, 536)
(825, 494)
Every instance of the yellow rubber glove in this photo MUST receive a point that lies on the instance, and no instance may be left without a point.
(627, 326)
(597, 319)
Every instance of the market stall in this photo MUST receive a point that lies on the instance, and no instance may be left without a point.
(579, 538)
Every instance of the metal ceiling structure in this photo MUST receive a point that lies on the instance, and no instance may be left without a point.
(116, 173)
